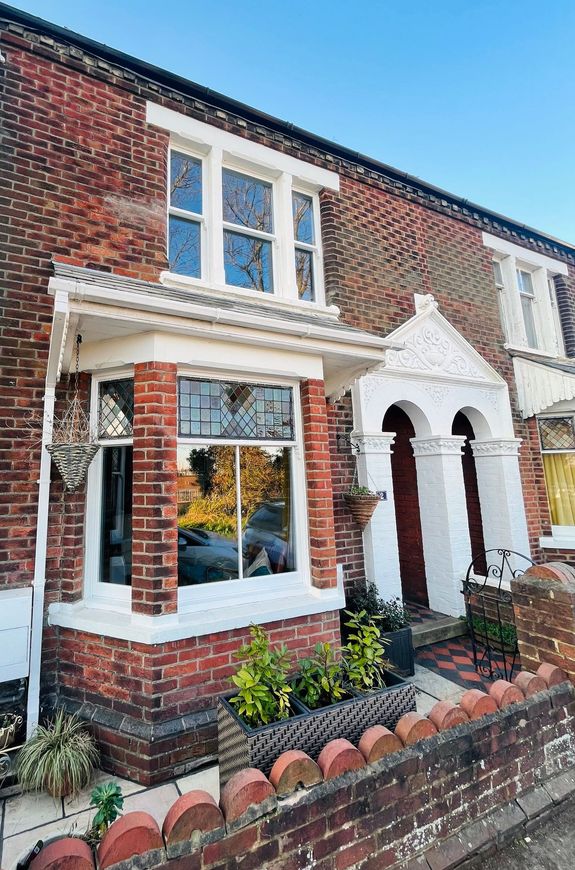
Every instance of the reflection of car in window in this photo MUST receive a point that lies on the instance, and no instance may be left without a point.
(205, 557)
(267, 529)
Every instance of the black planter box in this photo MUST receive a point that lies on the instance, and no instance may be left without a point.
(240, 746)
(399, 650)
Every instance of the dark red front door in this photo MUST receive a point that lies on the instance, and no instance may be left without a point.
(409, 538)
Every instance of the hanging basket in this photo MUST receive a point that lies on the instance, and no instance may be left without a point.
(72, 460)
(361, 507)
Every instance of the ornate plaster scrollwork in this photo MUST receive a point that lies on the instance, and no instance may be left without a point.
(373, 442)
(437, 446)
(496, 447)
(437, 392)
(430, 350)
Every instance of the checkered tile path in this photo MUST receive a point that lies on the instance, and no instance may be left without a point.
(453, 659)
(420, 614)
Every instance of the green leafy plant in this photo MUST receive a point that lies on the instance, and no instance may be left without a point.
(392, 614)
(506, 632)
(320, 680)
(109, 803)
(262, 681)
(58, 758)
(360, 490)
(364, 653)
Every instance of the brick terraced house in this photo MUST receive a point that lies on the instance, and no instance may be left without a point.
(252, 301)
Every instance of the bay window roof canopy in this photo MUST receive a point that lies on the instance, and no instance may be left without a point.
(541, 382)
(103, 306)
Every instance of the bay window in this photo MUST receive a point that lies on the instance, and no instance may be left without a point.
(236, 477)
(557, 436)
(185, 214)
(248, 231)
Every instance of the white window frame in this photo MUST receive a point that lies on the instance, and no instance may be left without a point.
(107, 596)
(316, 249)
(220, 149)
(542, 269)
(192, 217)
(194, 599)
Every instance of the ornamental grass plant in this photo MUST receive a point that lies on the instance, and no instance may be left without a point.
(59, 758)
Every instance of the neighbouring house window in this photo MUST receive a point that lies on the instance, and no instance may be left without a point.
(305, 248)
(527, 295)
(235, 499)
(558, 447)
(185, 214)
(248, 231)
(115, 425)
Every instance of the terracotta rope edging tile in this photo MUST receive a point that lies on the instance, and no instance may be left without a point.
(413, 727)
(339, 756)
(294, 769)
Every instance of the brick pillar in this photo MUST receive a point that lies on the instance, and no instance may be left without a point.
(544, 611)
(154, 511)
(319, 486)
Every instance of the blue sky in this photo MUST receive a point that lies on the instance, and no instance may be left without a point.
(475, 96)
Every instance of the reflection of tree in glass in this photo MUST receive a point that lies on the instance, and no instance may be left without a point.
(304, 275)
(184, 246)
(247, 202)
(248, 262)
(186, 182)
(262, 479)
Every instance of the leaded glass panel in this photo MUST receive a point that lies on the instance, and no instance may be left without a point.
(116, 409)
(221, 409)
(557, 433)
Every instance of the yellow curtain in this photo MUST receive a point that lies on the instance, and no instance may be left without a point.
(560, 479)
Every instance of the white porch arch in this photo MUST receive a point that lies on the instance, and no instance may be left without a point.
(436, 375)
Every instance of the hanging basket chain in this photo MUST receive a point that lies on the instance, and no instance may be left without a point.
(73, 446)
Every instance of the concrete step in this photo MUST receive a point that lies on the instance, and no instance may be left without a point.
(435, 630)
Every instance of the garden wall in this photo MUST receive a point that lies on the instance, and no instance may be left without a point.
(436, 798)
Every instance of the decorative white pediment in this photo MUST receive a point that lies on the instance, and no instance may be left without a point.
(433, 347)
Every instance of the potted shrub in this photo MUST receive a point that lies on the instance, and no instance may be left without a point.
(361, 503)
(58, 758)
(9, 725)
(364, 691)
(319, 682)
(393, 621)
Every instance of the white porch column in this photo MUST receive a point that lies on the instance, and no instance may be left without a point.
(501, 494)
(444, 524)
(380, 535)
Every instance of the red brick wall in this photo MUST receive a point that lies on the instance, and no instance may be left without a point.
(154, 507)
(319, 484)
(155, 684)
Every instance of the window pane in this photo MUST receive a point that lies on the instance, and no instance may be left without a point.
(304, 274)
(529, 320)
(248, 262)
(116, 537)
(184, 248)
(247, 201)
(268, 540)
(116, 409)
(302, 218)
(525, 282)
(222, 409)
(560, 480)
(207, 518)
(557, 433)
(185, 182)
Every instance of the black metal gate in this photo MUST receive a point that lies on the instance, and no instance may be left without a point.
(489, 610)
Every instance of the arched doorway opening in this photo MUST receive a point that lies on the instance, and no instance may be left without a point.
(409, 536)
(462, 427)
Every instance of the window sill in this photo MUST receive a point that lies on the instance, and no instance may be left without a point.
(85, 616)
(171, 279)
(535, 351)
(554, 542)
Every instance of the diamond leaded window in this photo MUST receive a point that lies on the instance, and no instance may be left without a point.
(557, 433)
(223, 409)
(116, 409)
